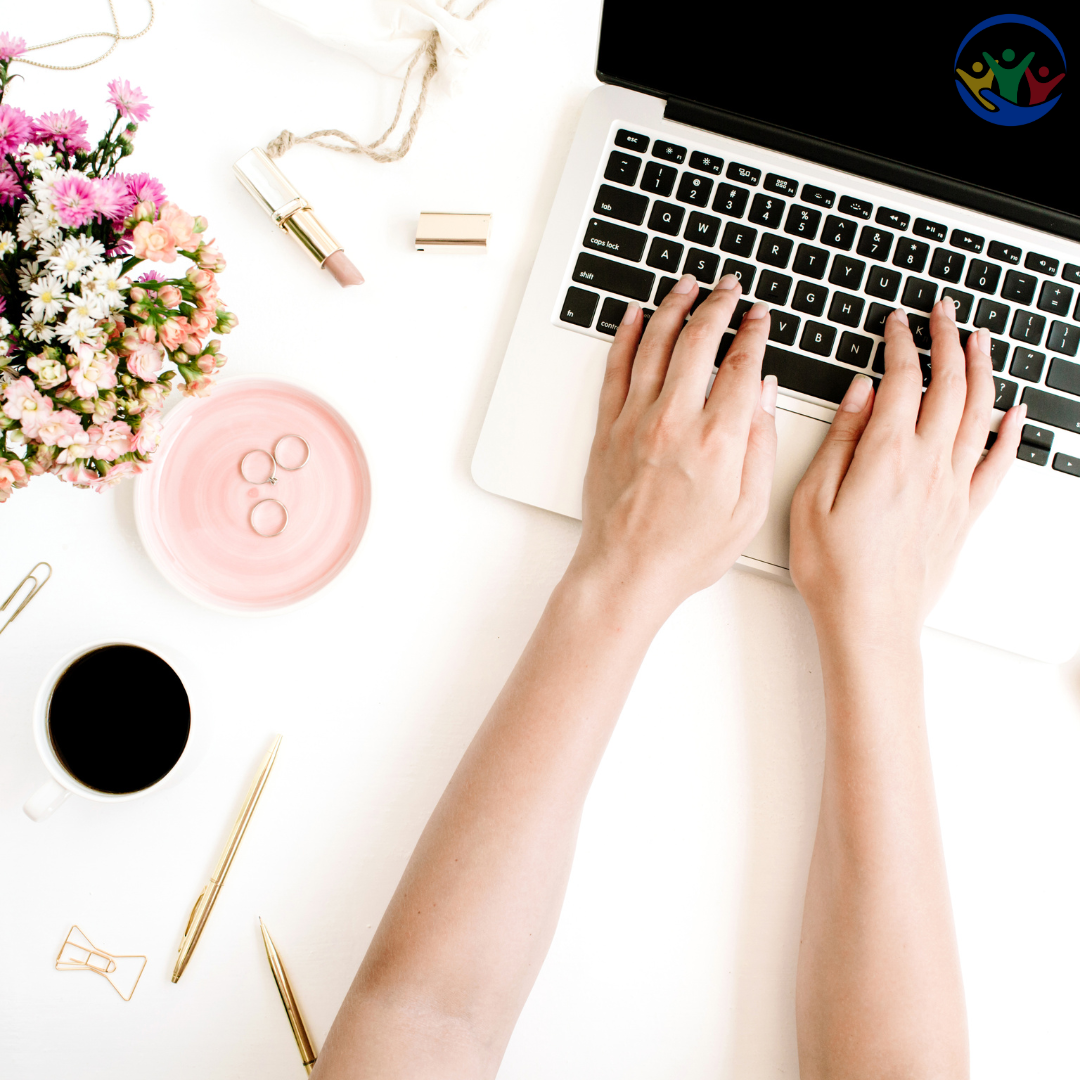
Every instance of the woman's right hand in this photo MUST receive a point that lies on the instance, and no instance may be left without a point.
(883, 510)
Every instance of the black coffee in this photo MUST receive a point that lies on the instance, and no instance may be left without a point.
(119, 719)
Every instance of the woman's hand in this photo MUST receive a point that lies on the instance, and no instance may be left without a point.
(677, 486)
(881, 514)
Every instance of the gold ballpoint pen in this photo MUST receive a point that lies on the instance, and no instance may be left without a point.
(288, 999)
(203, 906)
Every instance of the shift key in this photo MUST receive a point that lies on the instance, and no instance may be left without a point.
(613, 277)
(1044, 408)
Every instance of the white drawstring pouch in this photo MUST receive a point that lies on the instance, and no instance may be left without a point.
(386, 34)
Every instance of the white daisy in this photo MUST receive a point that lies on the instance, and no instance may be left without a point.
(37, 329)
(29, 272)
(68, 262)
(74, 336)
(42, 185)
(7, 243)
(108, 282)
(5, 327)
(86, 306)
(90, 250)
(38, 158)
(48, 297)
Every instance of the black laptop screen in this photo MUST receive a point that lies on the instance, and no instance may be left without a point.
(954, 89)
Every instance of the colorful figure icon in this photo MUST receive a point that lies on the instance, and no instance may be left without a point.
(975, 85)
(1009, 77)
(1039, 90)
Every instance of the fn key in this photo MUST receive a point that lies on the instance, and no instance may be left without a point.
(579, 307)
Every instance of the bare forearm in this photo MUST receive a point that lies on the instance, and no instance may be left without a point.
(879, 986)
(471, 922)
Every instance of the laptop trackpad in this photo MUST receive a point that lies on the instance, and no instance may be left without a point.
(797, 440)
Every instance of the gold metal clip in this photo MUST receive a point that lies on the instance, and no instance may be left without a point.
(38, 585)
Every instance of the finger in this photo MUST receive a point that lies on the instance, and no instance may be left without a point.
(896, 404)
(975, 423)
(657, 342)
(760, 461)
(833, 459)
(694, 355)
(992, 469)
(945, 397)
(620, 361)
(736, 390)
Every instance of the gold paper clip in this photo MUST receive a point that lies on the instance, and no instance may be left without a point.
(37, 587)
(79, 953)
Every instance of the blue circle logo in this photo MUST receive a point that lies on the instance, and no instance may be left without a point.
(1010, 70)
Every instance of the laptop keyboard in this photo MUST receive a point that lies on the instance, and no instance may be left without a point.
(832, 266)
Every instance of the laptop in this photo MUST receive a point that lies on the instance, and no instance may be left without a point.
(840, 169)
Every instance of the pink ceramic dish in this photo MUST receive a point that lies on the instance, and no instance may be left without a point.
(193, 508)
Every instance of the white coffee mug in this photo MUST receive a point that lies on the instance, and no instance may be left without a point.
(55, 791)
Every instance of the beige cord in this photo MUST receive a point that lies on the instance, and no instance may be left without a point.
(114, 34)
(286, 140)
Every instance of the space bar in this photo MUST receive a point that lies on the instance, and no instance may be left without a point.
(806, 375)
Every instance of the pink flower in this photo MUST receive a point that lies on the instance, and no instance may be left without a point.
(144, 360)
(109, 440)
(12, 475)
(112, 199)
(202, 322)
(63, 428)
(40, 461)
(78, 474)
(152, 240)
(49, 373)
(180, 224)
(10, 47)
(129, 100)
(94, 371)
(10, 188)
(198, 386)
(145, 188)
(211, 259)
(73, 200)
(115, 473)
(26, 406)
(149, 434)
(201, 279)
(152, 398)
(64, 128)
(15, 129)
(170, 296)
(173, 332)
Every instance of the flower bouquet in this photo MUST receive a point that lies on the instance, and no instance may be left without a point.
(87, 352)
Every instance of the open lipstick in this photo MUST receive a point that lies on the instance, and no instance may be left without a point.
(287, 208)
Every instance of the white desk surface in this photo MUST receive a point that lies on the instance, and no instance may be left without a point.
(676, 952)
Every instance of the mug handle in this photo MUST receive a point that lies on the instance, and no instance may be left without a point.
(49, 797)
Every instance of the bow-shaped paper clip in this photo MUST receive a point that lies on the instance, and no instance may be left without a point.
(38, 585)
(79, 953)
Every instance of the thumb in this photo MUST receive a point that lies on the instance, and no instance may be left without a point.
(830, 465)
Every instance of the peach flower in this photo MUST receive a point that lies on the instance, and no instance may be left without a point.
(63, 429)
(169, 295)
(25, 405)
(12, 475)
(180, 224)
(109, 440)
(144, 360)
(152, 240)
(173, 332)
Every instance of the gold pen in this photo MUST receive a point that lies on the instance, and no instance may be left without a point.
(288, 999)
(203, 906)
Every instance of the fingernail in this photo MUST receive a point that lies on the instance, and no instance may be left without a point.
(900, 315)
(758, 311)
(684, 284)
(948, 308)
(768, 394)
(857, 394)
(729, 281)
(984, 340)
(1021, 413)
(630, 314)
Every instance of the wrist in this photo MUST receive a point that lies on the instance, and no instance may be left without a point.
(620, 592)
